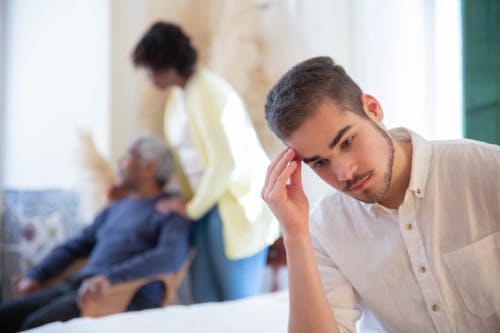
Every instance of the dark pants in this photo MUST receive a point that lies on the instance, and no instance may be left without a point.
(49, 305)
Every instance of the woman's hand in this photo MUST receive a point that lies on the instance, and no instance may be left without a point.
(175, 205)
(284, 194)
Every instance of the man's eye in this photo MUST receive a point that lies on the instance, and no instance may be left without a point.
(347, 142)
(319, 164)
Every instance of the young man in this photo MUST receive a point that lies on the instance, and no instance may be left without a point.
(128, 240)
(412, 231)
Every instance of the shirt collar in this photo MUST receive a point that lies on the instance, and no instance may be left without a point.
(421, 159)
(420, 164)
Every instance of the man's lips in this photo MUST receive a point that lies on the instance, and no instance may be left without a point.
(361, 184)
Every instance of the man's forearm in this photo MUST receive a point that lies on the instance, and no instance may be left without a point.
(309, 308)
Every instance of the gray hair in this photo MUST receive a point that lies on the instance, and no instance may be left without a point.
(154, 149)
(299, 92)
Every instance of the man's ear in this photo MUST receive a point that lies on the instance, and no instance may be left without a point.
(372, 108)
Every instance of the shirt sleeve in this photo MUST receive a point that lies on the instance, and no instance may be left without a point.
(208, 105)
(343, 300)
(63, 255)
(170, 253)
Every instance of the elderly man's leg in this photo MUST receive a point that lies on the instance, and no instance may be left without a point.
(61, 309)
(12, 314)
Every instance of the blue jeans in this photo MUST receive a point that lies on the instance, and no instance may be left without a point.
(214, 277)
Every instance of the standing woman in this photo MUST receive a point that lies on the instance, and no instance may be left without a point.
(221, 166)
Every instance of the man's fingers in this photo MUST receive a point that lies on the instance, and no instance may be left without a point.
(99, 289)
(81, 301)
(272, 166)
(296, 176)
(82, 295)
(275, 171)
(278, 188)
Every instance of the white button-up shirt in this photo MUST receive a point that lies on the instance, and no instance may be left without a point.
(433, 265)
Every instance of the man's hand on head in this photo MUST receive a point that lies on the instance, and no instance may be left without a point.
(92, 288)
(284, 194)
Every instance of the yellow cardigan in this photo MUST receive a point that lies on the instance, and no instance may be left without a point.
(234, 164)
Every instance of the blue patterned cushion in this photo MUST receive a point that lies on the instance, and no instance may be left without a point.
(34, 221)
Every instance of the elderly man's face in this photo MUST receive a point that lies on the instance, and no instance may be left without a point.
(130, 169)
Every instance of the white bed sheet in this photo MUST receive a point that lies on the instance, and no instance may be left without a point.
(263, 313)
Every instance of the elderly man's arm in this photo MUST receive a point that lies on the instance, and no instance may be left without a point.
(167, 255)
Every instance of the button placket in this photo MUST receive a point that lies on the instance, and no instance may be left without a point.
(420, 264)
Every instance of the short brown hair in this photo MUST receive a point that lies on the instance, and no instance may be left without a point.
(298, 93)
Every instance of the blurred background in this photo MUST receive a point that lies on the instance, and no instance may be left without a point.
(70, 99)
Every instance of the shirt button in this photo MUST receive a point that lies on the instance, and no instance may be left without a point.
(421, 269)
(418, 191)
(408, 226)
(435, 308)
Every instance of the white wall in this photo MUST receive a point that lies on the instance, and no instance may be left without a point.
(128, 23)
(407, 54)
(57, 81)
(2, 103)
(52, 91)
(326, 29)
(94, 86)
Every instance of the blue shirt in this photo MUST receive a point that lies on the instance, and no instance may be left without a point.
(126, 241)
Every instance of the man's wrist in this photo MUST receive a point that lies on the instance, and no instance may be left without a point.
(296, 239)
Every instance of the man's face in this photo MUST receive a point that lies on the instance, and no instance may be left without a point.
(353, 154)
(129, 169)
(162, 79)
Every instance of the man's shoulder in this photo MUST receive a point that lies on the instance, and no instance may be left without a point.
(465, 151)
(461, 144)
(466, 164)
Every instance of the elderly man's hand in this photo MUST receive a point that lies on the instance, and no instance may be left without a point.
(27, 285)
(92, 288)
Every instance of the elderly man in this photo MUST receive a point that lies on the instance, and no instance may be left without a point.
(129, 239)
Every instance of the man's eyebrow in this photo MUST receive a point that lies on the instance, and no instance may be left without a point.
(339, 136)
(308, 160)
(332, 145)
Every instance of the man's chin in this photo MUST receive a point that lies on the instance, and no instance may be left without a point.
(366, 197)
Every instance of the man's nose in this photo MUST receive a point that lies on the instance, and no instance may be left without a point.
(344, 170)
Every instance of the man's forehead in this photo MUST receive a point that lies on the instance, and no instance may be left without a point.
(312, 148)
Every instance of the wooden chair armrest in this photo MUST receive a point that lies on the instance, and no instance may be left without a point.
(117, 298)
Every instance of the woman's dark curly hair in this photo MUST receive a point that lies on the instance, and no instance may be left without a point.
(165, 46)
